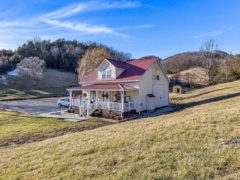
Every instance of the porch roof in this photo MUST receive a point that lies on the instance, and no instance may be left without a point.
(109, 87)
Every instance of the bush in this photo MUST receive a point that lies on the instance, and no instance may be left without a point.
(32, 67)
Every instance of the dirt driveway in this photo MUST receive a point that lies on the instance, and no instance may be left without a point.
(33, 106)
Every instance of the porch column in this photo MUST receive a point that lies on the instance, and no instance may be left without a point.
(122, 100)
(88, 103)
(70, 98)
(96, 100)
(96, 95)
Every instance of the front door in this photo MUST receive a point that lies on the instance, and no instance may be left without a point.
(92, 96)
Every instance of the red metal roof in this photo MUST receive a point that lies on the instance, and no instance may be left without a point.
(118, 64)
(111, 87)
(133, 70)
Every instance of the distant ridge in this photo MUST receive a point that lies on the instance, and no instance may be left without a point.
(183, 61)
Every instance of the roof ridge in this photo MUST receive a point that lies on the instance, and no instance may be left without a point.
(116, 60)
(144, 59)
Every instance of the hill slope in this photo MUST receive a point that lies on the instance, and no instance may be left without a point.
(188, 144)
(184, 61)
(54, 83)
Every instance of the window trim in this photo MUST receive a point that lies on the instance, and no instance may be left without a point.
(106, 74)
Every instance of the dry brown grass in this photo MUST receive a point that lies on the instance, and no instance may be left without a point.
(54, 83)
(196, 75)
(188, 144)
(17, 128)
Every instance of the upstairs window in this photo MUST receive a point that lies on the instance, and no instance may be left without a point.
(156, 77)
(109, 74)
(103, 75)
(106, 74)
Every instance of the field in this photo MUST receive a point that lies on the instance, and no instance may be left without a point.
(17, 129)
(54, 83)
(193, 75)
(198, 141)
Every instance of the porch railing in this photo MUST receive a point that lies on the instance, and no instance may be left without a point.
(113, 106)
(104, 105)
(77, 102)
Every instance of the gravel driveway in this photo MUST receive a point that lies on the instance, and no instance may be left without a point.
(33, 106)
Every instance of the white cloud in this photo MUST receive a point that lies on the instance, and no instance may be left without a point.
(85, 28)
(81, 27)
(54, 18)
(65, 12)
(210, 34)
(7, 24)
(90, 6)
(213, 33)
(143, 26)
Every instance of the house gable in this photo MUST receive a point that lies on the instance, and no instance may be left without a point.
(107, 70)
(155, 73)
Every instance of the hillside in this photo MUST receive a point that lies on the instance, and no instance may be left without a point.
(197, 142)
(54, 83)
(195, 75)
(180, 62)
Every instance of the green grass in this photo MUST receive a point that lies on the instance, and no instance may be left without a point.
(188, 144)
(16, 128)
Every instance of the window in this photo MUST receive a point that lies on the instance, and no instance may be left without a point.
(156, 77)
(109, 74)
(106, 74)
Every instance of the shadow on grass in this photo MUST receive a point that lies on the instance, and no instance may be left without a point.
(206, 101)
(204, 93)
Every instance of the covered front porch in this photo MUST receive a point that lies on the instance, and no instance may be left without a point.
(107, 99)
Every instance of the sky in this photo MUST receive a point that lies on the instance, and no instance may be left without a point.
(158, 27)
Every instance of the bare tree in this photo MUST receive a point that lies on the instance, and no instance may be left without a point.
(208, 60)
(32, 67)
(235, 67)
(226, 66)
(94, 56)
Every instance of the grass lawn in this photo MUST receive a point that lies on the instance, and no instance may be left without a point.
(54, 83)
(18, 94)
(188, 144)
(16, 128)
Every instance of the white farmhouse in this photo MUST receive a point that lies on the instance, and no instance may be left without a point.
(117, 89)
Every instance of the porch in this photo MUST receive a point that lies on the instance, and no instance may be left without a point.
(104, 105)
(107, 99)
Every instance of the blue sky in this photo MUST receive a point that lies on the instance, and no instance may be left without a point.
(162, 28)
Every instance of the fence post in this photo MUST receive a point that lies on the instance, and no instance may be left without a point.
(87, 109)
(80, 110)
(122, 101)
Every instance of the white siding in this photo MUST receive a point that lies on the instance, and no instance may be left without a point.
(159, 88)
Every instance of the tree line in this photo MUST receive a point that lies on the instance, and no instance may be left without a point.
(60, 54)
